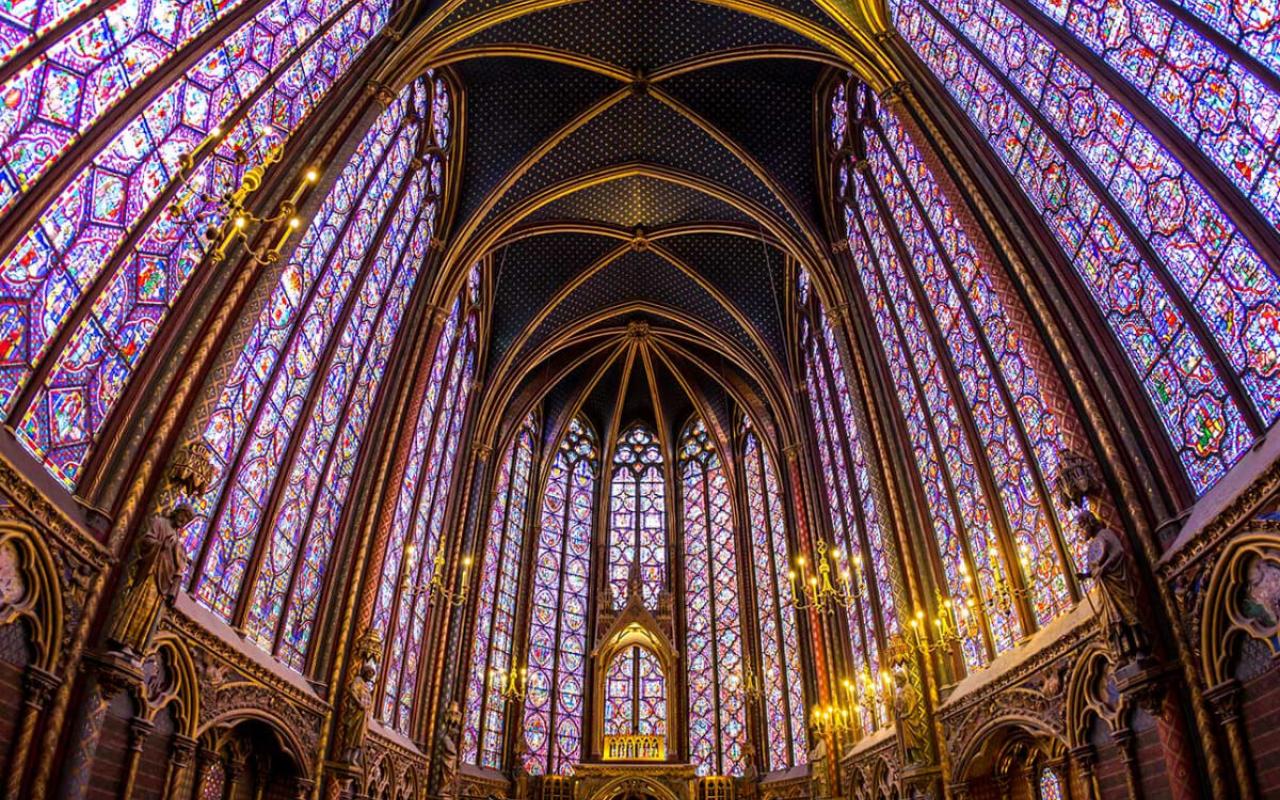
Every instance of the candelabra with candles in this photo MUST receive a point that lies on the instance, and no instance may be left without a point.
(818, 590)
(221, 213)
(440, 592)
(869, 698)
(834, 719)
(1003, 595)
(953, 624)
(512, 684)
(749, 683)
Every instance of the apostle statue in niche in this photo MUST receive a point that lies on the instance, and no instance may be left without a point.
(818, 766)
(449, 750)
(520, 767)
(358, 699)
(910, 714)
(160, 555)
(153, 582)
(1113, 570)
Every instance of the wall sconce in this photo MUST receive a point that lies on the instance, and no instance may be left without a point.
(440, 592)
(1003, 593)
(835, 720)
(869, 698)
(952, 625)
(512, 685)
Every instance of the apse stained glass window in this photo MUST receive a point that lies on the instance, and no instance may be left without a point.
(713, 622)
(637, 516)
(117, 244)
(1186, 294)
(635, 695)
(779, 677)
(288, 424)
(493, 638)
(851, 505)
(558, 624)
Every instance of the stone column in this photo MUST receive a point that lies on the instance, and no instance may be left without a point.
(206, 760)
(1224, 699)
(37, 686)
(1126, 744)
(1085, 758)
(180, 753)
(139, 729)
(105, 678)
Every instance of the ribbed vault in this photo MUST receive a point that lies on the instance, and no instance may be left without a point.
(659, 161)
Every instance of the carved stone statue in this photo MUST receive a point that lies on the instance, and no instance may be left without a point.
(449, 750)
(749, 771)
(520, 769)
(1112, 568)
(358, 699)
(906, 707)
(818, 766)
(153, 582)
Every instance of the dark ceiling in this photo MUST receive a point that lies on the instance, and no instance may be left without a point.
(648, 159)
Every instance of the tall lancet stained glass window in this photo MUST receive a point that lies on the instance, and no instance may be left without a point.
(852, 505)
(558, 624)
(983, 404)
(85, 289)
(1134, 183)
(287, 427)
(414, 541)
(713, 622)
(493, 639)
(779, 678)
(638, 516)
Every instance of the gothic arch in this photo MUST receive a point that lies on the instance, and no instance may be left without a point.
(30, 590)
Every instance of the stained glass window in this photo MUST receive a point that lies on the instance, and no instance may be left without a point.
(990, 388)
(1050, 787)
(851, 502)
(1172, 275)
(287, 428)
(558, 625)
(1252, 26)
(492, 640)
(713, 624)
(637, 516)
(130, 194)
(1212, 98)
(635, 694)
(960, 510)
(780, 681)
(413, 546)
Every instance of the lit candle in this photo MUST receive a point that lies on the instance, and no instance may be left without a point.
(309, 177)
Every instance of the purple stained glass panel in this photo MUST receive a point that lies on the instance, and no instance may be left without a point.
(637, 510)
(63, 257)
(243, 500)
(713, 625)
(1010, 464)
(557, 630)
(1204, 424)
